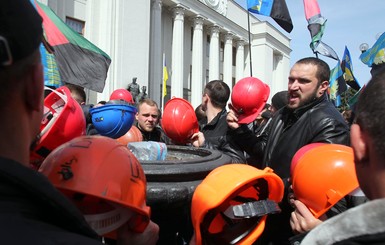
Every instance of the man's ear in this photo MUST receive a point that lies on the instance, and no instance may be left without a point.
(323, 87)
(35, 87)
(359, 143)
(136, 116)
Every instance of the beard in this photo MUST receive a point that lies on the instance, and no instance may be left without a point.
(304, 100)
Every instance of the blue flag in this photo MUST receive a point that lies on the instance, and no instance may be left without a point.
(347, 69)
(337, 84)
(376, 54)
(276, 9)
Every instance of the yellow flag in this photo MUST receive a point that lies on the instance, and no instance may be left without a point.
(165, 78)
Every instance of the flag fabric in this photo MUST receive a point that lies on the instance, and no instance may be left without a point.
(51, 71)
(347, 69)
(79, 61)
(353, 100)
(376, 54)
(276, 9)
(337, 84)
(316, 25)
(165, 77)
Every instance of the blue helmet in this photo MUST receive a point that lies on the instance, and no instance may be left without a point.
(113, 120)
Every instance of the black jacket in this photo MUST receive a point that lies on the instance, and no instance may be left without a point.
(216, 137)
(157, 135)
(32, 211)
(288, 131)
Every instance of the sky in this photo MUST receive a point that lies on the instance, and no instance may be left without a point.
(349, 22)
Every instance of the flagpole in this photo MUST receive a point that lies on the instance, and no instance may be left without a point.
(248, 29)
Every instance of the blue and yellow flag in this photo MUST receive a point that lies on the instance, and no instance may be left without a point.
(165, 78)
(276, 9)
(376, 54)
(337, 84)
(347, 69)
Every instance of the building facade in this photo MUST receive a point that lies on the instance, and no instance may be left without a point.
(197, 40)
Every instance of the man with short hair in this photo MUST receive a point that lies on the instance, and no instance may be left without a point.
(77, 92)
(308, 117)
(147, 119)
(364, 224)
(214, 128)
(32, 210)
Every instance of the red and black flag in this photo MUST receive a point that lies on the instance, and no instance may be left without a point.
(79, 61)
(316, 26)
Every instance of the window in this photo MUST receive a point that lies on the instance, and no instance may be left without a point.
(208, 46)
(221, 52)
(76, 25)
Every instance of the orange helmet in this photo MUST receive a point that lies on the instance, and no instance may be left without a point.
(248, 98)
(323, 176)
(133, 135)
(299, 154)
(231, 204)
(63, 120)
(179, 121)
(104, 179)
(122, 94)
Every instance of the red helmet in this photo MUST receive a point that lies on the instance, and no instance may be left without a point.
(133, 135)
(63, 120)
(323, 176)
(122, 94)
(231, 204)
(297, 156)
(104, 179)
(248, 98)
(179, 121)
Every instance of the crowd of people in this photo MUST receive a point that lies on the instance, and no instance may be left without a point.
(249, 131)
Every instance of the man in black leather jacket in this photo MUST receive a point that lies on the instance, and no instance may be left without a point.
(307, 118)
(32, 211)
(214, 128)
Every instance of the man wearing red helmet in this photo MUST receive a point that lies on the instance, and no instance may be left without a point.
(32, 210)
(308, 117)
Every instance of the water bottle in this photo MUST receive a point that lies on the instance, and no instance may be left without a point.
(148, 150)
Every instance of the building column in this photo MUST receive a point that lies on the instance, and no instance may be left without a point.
(177, 53)
(214, 53)
(240, 60)
(228, 60)
(156, 68)
(197, 63)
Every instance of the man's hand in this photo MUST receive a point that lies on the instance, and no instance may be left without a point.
(197, 139)
(149, 236)
(302, 220)
(232, 119)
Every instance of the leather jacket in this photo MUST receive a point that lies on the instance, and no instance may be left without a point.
(289, 130)
(216, 137)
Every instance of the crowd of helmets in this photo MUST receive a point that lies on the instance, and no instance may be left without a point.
(72, 161)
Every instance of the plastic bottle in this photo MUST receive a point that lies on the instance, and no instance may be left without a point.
(148, 150)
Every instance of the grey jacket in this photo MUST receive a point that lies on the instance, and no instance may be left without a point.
(364, 224)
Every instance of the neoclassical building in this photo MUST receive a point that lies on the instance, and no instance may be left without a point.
(198, 40)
